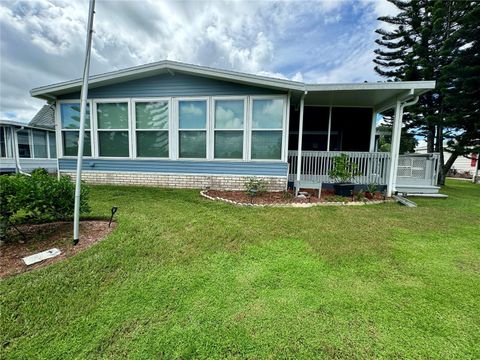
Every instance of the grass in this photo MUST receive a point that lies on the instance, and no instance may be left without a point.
(185, 277)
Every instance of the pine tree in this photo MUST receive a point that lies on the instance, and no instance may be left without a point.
(426, 41)
(461, 80)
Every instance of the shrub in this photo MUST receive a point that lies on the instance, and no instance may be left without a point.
(39, 197)
(255, 186)
(344, 170)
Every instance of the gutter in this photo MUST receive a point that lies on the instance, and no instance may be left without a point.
(18, 168)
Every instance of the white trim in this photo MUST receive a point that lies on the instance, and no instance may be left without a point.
(393, 85)
(133, 117)
(373, 131)
(96, 129)
(243, 129)
(284, 98)
(329, 131)
(177, 101)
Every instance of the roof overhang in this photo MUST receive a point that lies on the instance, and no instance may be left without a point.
(164, 67)
(16, 123)
(380, 96)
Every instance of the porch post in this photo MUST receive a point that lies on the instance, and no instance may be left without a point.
(395, 147)
(300, 137)
(329, 127)
(373, 131)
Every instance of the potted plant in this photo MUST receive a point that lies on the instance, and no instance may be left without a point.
(342, 173)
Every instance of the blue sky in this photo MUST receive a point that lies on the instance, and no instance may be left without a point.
(42, 42)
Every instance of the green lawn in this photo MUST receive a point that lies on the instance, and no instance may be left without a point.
(185, 277)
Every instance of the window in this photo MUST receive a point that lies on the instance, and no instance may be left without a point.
(228, 129)
(112, 120)
(52, 145)
(3, 142)
(192, 142)
(151, 122)
(40, 144)
(267, 129)
(70, 123)
(23, 138)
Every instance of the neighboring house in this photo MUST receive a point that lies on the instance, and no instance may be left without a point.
(180, 125)
(462, 164)
(25, 147)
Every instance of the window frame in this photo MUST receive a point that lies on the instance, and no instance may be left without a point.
(208, 153)
(282, 129)
(213, 129)
(169, 131)
(59, 130)
(94, 127)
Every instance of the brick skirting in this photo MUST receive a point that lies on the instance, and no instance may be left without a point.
(216, 182)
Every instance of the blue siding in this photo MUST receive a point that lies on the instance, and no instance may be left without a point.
(172, 85)
(180, 167)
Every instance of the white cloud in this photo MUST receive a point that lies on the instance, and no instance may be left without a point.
(43, 41)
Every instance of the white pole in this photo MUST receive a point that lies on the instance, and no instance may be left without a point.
(300, 137)
(373, 131)
(475, 173)
(81, 133)
(329, 127)
(395, 147)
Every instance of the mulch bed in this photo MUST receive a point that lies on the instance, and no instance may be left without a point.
(279, 198)
(41, 237)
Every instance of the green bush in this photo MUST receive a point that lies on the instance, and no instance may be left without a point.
(255, 186)
(344, 170)
(39, 197)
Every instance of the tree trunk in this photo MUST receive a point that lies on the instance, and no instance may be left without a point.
(442, 174)
(446, 168)
(431, 139)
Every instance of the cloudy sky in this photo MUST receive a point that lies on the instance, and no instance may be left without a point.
(43, 42)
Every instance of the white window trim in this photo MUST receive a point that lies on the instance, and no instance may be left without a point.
(59, 130)
(207, 129)
(96, 130)
(134, 127)
(283, 156)
(244, 129)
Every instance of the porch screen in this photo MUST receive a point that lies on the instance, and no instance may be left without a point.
(229, 125)
(267, 129)
(151, 121)
(23, 138)
(192, 141)
(113, 129)
(70, 122)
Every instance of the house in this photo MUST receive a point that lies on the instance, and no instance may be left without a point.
(180, 125)
(25, 147)
(462, 165)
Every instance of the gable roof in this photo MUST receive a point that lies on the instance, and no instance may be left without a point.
(375, 94)
(44, 118)
(165, 67)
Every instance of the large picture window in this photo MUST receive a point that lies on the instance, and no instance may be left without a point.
(267, 129)
(228, 129)
(151, 122)
(192, 125)
(70, 125)
(112, 126)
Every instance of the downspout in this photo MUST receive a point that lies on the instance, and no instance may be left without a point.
(300, 137)
(18, 168)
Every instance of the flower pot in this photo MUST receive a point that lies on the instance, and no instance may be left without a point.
(343, 189)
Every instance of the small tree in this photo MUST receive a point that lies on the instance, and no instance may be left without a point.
(344, 170)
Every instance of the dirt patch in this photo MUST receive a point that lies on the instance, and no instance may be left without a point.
(41, 237)
(286, 197)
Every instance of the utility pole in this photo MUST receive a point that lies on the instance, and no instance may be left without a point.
(81, 133)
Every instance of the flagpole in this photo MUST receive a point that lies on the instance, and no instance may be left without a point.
(81, 133)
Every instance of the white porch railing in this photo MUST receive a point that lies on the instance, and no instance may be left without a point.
(413, 169)
(373, 166)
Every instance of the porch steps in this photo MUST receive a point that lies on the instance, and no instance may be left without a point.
(417, 189)
(435, 196)
(404, 201)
